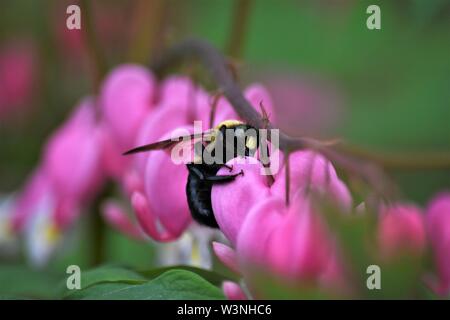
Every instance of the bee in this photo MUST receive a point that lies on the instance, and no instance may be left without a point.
(228, 140)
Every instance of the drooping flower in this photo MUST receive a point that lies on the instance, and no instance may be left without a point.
(233, 291)
(290, 242)
(438, 230)
(18, 72)
(401, 231)
(309, 171)
(126, 98)
(72, 162)
(68, 177)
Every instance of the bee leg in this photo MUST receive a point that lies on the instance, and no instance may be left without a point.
(225, 178)
(230, 168)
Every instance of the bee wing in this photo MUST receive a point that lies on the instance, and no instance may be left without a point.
(170, 143)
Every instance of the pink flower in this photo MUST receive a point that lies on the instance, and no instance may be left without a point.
(71, 162)
(126, 97)
(309, 169)
(306, 106)
(292, 243)
(401, 230)
(18, 68)
(232, 202)
(227, 256)
(438, 228)
(34, 191)
(116, 216)
(233, 291)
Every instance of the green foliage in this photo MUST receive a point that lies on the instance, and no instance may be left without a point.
(20, 282)
(172, 284)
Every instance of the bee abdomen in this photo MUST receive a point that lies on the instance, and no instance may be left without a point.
(198, 193)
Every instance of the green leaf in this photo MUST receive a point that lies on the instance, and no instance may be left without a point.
(173, 284)
(214, 277)
(22, 282)
(110, 273)
(106, 274)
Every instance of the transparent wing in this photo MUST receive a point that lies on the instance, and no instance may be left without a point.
(170, 143)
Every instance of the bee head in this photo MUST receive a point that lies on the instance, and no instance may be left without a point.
(243, 135)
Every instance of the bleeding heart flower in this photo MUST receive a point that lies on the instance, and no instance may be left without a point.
(232, 201)
(18, 70)
(72, 164)
(311, 170)
(291, 242)
(127, 96)
(233, 291)
(401, 230)
(438, 228)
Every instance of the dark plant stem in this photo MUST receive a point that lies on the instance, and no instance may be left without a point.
(97, 63)
(97, 226)
(236, 40)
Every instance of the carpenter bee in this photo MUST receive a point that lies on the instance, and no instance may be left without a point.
(228, 140)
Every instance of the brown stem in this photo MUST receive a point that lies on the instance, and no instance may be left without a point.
(96, 59)
(150, 20)
(236, 40)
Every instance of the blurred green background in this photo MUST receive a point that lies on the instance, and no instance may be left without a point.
(394, 82)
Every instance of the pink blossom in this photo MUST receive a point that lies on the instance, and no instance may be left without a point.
(306, 106)
(127, 96)
(116, 216)
(232, 202)
(291, 242)
(309, 169)
(71, 162)
(34, 191)
(233, 291)
(401, 230)
(18, 71)
(438, 228)
(227, 256)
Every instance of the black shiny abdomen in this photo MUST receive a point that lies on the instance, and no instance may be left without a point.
(199, 199)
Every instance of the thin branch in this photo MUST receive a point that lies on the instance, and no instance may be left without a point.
(345, 156)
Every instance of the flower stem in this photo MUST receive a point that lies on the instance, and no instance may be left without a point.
(97, 62)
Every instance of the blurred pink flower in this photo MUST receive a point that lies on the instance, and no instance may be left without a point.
(115, 215)
(18, 71)
(291, 242)
(126, 98)
(438, 228)
(305, 106)
(401, 230)
(71, 162)
(34, 191)
(231, 202)
(309, 170)
(227, 256)
(233, 291)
